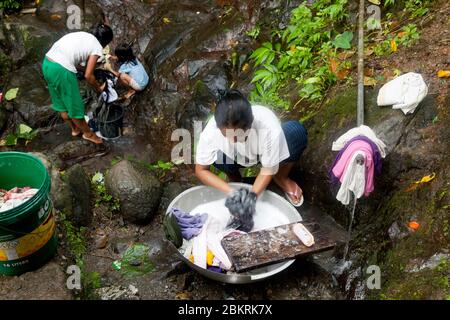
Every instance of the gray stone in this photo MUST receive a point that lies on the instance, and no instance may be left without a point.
(138, 191)
(432, 263)
(80, 187)
(33, 100)
(46, 283)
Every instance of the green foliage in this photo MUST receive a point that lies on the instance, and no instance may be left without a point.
(23, 132)
(217, 172)
(300, 53)
(407, 36)
(417, 8)
(136, 261)
(254, 32)
(102, 197)
(10, 5)
(76, 241)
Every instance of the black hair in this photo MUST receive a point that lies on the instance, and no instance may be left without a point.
(233, 111)
(102, 76)
(124, 53)
(103, 33)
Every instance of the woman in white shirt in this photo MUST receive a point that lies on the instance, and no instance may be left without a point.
(60, 67)
(241, 135)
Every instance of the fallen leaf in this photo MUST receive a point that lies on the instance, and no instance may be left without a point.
(183, 296)
(401, 34)
(293, 48)
(397, 72)
(333, 66)
(166, 20)
(424, 179)
(427, 178)
(368, 81)
(444, 73)
(346, 54)
(377, 2)
(393, 45)
(11, 94)
(245, 67)
(55, 17)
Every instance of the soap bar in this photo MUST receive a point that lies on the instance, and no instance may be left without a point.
(303, 234)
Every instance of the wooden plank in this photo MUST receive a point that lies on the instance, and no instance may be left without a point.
(264, 247)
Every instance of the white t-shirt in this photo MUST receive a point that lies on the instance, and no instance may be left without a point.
(74, 48)
(265, 142)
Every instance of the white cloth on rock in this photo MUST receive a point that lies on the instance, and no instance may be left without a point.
(362, 130)
(354, 180)
(404, 92)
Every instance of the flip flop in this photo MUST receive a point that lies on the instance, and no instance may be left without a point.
(92, 140)
(289, 194)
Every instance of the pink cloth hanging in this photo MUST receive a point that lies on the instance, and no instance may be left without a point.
(342, 165)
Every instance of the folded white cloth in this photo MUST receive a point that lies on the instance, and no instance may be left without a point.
(362, 130)
(404, 92)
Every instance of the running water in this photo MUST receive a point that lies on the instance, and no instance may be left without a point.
(349, 232)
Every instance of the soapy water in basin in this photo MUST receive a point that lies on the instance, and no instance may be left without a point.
(266, 215)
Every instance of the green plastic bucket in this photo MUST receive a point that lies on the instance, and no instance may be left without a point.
(27, 232)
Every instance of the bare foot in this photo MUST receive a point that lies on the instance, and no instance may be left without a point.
(75, 132)
(129, 94)
(93, 138)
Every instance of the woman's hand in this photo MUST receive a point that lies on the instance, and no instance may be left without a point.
(210, 179)
(89, 73)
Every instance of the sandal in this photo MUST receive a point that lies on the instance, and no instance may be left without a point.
(289, 195)
(93, 139)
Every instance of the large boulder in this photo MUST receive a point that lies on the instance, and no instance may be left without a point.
(33, 100)
(80, 187)
(138, 191)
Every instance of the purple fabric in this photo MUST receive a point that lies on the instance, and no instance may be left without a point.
(215, 269)
(376, 157)
(190, 225)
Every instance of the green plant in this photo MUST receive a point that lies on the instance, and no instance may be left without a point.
(254, 32)
(76, 241)
(417, 8)
(23, 132)
(301, 52)
(10, 5)
(102, 197)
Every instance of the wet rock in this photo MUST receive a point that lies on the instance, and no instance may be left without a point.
(33, 100)
(28, 39)
(55, 13)
(432, 263)
(80, 187)
(217, 79)
(395, 233)
(72, 152)
(3, 118)
(170, 191)
(138, 191)
(46, 283)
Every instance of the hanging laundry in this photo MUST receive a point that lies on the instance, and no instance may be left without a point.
(375, 151)
(362, 130)
(404, 92)
(15, 197)
(355, 177)
(190, 225)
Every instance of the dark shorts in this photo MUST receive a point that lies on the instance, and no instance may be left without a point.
(296, 138)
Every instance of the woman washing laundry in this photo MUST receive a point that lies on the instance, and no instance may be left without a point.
(60, 67)
(243, 135)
